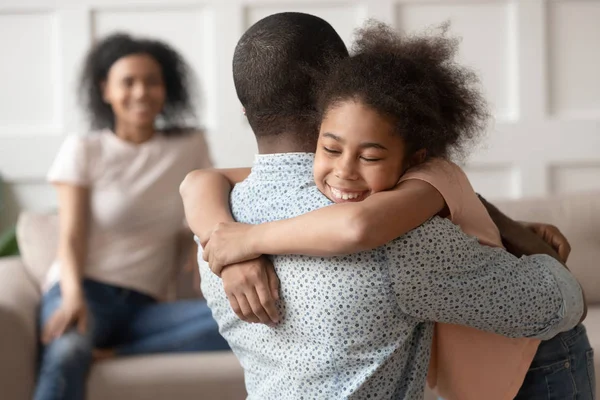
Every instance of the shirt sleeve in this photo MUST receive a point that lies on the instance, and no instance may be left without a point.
(440, 274)
(71, 163)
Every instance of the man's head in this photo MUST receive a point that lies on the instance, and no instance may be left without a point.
(276, 66)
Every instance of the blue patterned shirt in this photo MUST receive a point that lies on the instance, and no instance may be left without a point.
(360, 326)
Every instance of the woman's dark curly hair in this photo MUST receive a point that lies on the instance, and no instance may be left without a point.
(178, 109)
(435, 103)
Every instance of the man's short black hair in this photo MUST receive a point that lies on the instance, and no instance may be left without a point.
(276, 66)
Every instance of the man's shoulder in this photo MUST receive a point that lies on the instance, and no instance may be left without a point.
(436, 230)
(283, 198)
(258, 201)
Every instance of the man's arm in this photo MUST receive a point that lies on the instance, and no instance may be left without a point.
(440, 274)
(520, 240)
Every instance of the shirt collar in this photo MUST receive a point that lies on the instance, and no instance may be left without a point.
(282, 166)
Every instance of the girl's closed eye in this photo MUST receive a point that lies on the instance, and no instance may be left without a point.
(370, 159)
(331, 151)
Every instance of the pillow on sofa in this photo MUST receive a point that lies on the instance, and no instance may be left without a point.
(37, 235)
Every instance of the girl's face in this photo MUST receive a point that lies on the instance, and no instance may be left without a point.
(358, 153)
(135, 90)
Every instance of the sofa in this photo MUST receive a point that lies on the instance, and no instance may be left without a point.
(197, 376)
(218, 375)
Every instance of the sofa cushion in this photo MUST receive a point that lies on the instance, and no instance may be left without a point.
(578, 217)
(37, 235)
(215, 376)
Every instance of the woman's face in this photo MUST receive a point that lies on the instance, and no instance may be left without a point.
(135, 90)
(359, 153)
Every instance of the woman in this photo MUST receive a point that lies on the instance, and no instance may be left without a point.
(120, 214)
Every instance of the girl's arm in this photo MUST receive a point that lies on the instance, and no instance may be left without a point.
(351, 227)
(205, 195)
(338, 229)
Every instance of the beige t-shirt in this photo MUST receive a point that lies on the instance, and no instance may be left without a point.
(135, 207)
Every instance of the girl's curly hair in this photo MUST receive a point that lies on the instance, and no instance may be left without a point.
(177, 77)
(435, 103)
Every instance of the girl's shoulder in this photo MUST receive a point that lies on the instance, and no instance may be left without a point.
(437, 169)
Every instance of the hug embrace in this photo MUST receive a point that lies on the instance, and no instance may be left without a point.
(386, 271)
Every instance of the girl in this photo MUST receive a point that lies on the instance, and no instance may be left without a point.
(391, 116)
(120, 218)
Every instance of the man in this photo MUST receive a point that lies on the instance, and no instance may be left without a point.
(352, 331)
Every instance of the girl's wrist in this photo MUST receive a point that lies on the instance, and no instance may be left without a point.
(256, 239)
(253, 239)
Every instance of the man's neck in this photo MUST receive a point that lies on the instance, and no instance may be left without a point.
(285, 143)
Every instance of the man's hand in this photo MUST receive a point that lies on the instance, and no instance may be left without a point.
(229, 243)
(519, 240)
(252, 288)
(552, 236)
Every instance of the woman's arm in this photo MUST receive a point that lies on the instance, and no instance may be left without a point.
(72, 248)
(205, 195)
(72, 244)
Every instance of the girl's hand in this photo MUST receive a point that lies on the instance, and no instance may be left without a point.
(252, 288)
(72, 311)
(229, 243)
(552, 236)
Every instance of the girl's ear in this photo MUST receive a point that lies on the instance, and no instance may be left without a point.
(417, 158)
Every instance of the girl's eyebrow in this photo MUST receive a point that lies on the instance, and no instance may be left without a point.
(334, 137)
(365, 145)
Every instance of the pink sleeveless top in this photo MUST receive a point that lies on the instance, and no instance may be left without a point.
(468, 364)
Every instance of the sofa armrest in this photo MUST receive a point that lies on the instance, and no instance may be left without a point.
(19, 299)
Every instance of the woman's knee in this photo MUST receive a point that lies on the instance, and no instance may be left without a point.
(72, 349)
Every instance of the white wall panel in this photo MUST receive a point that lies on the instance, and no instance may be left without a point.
(188, 29)
(494, 181)
(28, 72)
(574, 34)
(487, 45)
(575, 177)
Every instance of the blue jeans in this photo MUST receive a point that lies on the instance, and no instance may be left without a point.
(126, 321)
(562, 369)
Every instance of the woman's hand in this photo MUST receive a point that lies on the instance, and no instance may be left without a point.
(72, 312)
(229, 243)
